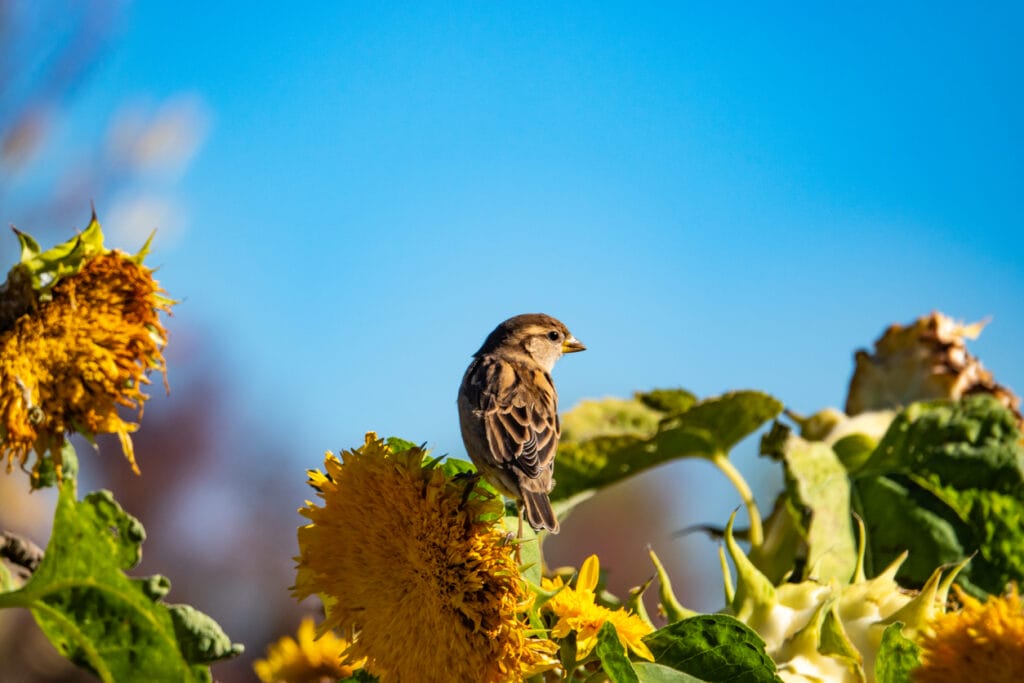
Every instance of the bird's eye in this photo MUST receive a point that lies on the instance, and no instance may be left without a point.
(554, 335)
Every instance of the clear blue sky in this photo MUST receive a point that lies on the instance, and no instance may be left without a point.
(711, 195)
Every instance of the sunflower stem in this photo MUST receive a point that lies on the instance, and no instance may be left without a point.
(756, 533)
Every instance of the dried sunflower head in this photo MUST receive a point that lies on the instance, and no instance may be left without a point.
(925, 360)
(80, 330)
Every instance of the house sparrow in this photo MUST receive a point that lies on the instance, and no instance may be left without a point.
(508, 411)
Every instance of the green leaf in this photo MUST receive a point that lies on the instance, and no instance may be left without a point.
(713, 647)
(817, 485)
(945, 481)
(609, 416)
(900, 516)
(398, 445)
(581, 468)
(669, 401)
(103, 620)
(649, 672)
(995, 528)
(613, 657)
(971, 443)
(713, 426)
(360, 676)
(709, 428)
(853, 450)
(897, 656)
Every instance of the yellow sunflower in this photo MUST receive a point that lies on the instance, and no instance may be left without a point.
(416, 566)
(79, 331)
(982, 641)
(306, 658)
(577, 610)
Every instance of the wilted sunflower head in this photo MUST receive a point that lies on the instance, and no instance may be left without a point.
(925, 360)
(79, 331)
(417, 567)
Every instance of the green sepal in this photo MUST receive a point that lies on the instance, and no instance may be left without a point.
(754, 597)
(670, 605)
(835, 642)
(46, 268)
(635, 602)
(50, 471)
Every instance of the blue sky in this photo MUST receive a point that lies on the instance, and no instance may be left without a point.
(710, 195)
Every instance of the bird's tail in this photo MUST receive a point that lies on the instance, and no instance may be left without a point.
(538, 512)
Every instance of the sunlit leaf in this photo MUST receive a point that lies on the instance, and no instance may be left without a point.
(713, 647)
(613, 656)
(111, 624)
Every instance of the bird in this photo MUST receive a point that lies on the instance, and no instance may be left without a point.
(508, 411)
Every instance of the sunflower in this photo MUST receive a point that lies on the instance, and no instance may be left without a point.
(306, 658)
(577, 610)
(982, 641)
(79, 331)
(417, 566)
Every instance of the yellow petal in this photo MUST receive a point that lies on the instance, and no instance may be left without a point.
(589, 574)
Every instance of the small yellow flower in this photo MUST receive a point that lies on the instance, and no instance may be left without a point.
(73, 352)
(306, 658)
(418, 570)
(577, 610)
(979, 642)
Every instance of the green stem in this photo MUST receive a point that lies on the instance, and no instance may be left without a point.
(756, 533)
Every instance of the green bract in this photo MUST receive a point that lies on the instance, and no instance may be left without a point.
(831, 631)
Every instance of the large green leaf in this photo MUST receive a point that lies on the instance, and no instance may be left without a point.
(994, 528)
(610, 416)
(898, 517)
(713, 647)
(104, 621)
(946, 481)
(971, 443)
(714, 426)
(709, 428)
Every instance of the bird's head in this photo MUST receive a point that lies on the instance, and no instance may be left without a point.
(535, 335)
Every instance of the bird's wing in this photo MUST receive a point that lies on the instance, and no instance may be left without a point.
(519, 407)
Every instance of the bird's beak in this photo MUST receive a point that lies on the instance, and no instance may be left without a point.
(572, 345)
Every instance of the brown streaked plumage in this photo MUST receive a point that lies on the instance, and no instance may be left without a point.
(508, 410)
